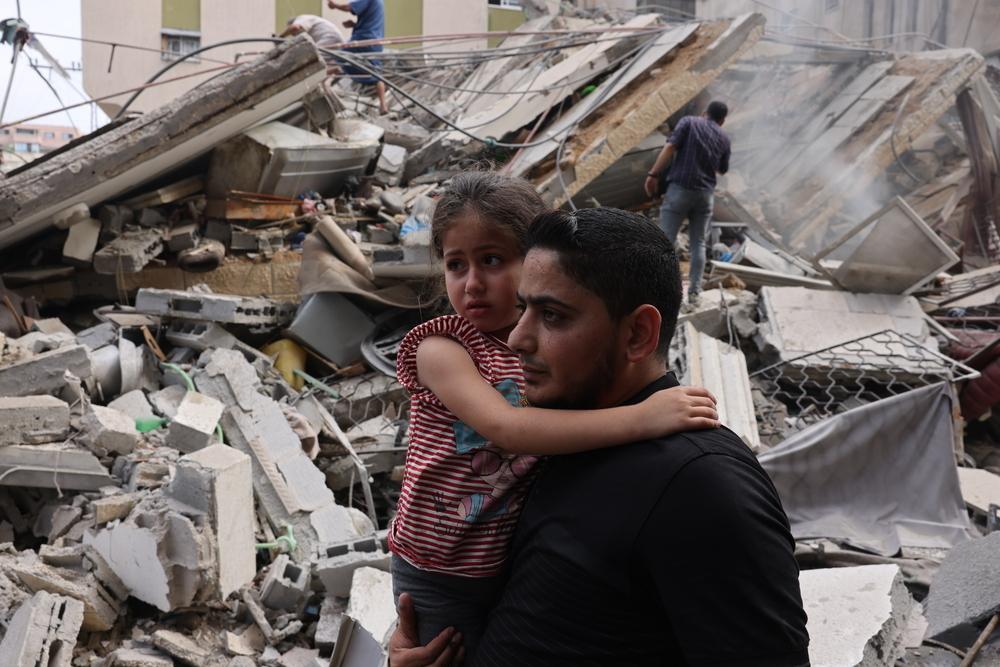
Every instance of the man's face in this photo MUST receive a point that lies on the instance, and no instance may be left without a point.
(568, 344)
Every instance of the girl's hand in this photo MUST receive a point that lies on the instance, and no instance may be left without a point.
(679, 409)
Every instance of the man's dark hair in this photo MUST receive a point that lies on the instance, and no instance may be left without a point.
(717, 111)
(622, 257)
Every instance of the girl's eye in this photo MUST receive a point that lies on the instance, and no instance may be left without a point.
(453, 265)
(492, 260)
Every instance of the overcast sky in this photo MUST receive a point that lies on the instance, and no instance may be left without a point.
(29, 95)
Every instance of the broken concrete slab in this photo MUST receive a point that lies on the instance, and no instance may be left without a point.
(100, 607)
(55, 466)
(130, 252)
(302, 657)
(45, 373)
(113, 507)
(857, 615)
(372, 603)
(331, 614)
(980, 488)
(206, 306)
(217, 481)
(285, 585)
(182, 237)
(107, 430)
(168, 400)
(134, 404)
(133, 657)
(42, 632)
(138, 151)
(966, 588)
(32, 419)
(194, 424)
(337, 571)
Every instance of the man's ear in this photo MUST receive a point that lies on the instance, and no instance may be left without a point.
(643, 332)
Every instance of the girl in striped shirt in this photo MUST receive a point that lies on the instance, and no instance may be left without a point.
(473, 442)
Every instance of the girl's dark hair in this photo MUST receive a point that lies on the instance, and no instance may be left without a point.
(507, 202)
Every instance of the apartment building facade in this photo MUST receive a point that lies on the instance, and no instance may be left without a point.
(166, 29)
(26, 141)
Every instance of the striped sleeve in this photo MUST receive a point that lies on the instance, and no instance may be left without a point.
(450, 326)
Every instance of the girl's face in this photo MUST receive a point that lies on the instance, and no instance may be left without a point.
(482, 267)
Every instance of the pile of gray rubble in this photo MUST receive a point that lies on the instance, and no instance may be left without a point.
(201, 433)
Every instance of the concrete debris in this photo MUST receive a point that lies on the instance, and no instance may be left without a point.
(192, 427)
(213, 307)
(44, 373)
(286, 584)
(857, 615)
(134, 404)
(130, 252)
(32, 419)
(42, 632)
(372, 604)
(108, 431)
(966, 589)
(180, 647)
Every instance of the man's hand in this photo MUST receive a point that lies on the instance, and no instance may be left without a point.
(404, 644)
(651, 186)
(350, 23)
(342, 6)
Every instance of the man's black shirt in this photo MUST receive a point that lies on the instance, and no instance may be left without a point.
(673, 551)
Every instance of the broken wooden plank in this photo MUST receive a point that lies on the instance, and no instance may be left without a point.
(644, 106)
(138, 151)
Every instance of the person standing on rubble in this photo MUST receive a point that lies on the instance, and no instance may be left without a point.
(370, 25)
(473, 441)
(669, 551)
(325, 33)
(699, 150)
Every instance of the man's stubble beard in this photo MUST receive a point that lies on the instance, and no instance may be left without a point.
(584, 395)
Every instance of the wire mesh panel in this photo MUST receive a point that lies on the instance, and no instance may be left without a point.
(797, 393)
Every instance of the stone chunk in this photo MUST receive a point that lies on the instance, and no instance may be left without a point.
(98, 336)
(112, 508)
(167, 400)
(129, 253)
(181, 647)
(31, 419)
(134, 404)
(966, 588)
(81, 242)
(857, 615)
(45, 373)
(42, 632)
(252, 311)
(331, 615)
(107, 430)
(337, 572)
(217, 481)
(193, 427)
(131, 657)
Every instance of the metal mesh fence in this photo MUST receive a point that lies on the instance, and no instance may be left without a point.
(797, 393)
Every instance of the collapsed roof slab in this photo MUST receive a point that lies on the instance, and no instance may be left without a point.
(631, 112)
(138, 151)
(869, 142)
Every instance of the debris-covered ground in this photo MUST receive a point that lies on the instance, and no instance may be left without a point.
(201, 434)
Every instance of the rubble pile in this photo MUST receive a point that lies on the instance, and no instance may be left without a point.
(201, 433)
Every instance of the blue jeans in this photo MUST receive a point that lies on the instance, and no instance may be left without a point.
(445, 600)
(695, 206)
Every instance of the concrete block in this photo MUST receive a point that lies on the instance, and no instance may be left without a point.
(70, 216)
(129, 253)
(42, 632)
(372, 603)
(391, 163)
(100, 608)
(134, 404)
(45, 373)
(182, 237)
(113, 221)
(81, 242)
(168, 400)
(36, 342)
(857, 615)
(337, 572)
(105, 333)
(966, 588)
(193, 427)
(301, 657)
(107, 430)
(253, 311)
(32, 419)
(151, 217)
(286, 584)
(181, 647)
(217, 480)
(401, 133)
(51, 325)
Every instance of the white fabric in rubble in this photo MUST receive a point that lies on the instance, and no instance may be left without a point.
(878, 477)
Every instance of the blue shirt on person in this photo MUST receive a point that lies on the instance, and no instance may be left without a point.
(703, 150)
(370, 22)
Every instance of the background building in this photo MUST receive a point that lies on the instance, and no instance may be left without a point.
(27, 141)
(181, 26)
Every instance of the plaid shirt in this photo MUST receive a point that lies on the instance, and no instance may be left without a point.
(702, 151)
